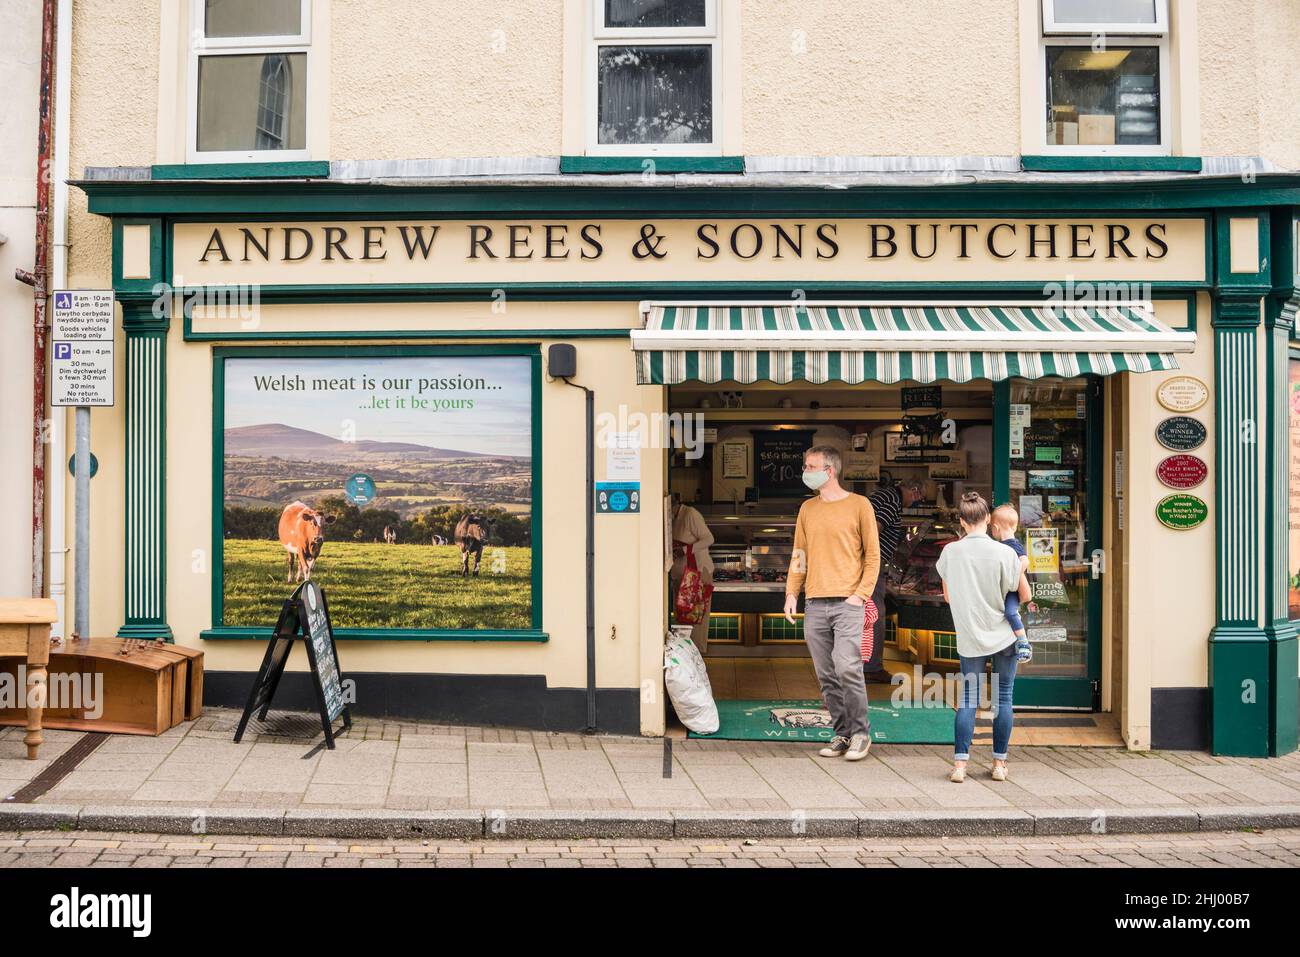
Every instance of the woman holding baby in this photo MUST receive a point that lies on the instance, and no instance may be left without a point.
(981, 577)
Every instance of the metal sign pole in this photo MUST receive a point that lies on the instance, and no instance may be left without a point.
(81, 598)
(82, 370)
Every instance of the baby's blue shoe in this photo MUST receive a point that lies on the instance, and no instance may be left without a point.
(1024, 652)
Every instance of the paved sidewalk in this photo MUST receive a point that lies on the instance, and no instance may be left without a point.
(399, 766)
(57, 849)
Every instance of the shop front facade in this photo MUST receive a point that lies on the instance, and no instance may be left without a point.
(1104, 369)
(342, 266)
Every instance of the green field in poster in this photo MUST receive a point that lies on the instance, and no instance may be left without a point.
(384, 586)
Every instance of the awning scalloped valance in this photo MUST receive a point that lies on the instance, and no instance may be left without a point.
(894, 342)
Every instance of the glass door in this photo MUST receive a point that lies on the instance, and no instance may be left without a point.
(1050, 431)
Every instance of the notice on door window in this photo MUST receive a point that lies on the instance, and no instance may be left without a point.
(1031, 510)
(1043, 546)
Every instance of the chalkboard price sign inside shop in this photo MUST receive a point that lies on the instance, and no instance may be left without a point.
(304, 615)
(778, 460)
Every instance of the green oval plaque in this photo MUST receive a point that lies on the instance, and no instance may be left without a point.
(1182, 511)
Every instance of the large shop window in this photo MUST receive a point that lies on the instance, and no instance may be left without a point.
(404, 482)
(1293, 466)
(654, 69)
(249, 61)
(1106, 70)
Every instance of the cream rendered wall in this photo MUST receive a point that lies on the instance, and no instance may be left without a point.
(925, 77)
(1169, 575)
(20, 61)
(446, 78)
(630, 604)
(114, 102)
(1250, 78)
(1279, 76)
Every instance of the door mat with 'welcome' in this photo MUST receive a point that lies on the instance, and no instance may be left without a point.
(808, 721)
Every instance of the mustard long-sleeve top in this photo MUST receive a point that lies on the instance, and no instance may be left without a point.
(836, 549)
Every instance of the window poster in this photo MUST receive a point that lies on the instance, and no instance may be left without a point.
(1043, 546)
(1293, 571)
(1051, 478)
(1059, 505)
(445, 539)
(1031, 510)
(735, 460)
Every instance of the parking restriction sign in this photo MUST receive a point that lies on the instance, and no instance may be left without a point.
(81, 348)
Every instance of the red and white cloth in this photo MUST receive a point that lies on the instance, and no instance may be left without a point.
(869, 628)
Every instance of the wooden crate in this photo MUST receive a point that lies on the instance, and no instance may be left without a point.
(151, 689)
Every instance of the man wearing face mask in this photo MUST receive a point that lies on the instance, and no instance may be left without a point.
(836, 562)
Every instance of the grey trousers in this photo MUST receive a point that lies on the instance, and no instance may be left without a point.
(832, 629)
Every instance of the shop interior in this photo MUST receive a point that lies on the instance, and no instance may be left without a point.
(747, 486)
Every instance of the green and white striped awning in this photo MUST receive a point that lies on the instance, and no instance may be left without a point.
(894, 342)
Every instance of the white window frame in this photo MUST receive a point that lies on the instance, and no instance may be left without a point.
(599, 35)
(1052, 28)
(1114, 35)
(203, 46)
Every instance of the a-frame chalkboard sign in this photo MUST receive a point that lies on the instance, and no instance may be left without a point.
(305, 614)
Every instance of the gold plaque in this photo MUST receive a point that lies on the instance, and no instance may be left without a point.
(1183, 393)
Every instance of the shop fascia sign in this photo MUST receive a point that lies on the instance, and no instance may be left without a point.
(501, 250)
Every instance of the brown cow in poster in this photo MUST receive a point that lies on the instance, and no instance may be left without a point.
(302, 533)
(472, 532)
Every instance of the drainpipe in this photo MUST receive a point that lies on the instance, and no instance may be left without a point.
(38, 279)
(58, 477)
(591, 553)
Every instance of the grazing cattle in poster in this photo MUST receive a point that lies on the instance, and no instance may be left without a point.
(442, 437)
(302, 533)
(472, 531)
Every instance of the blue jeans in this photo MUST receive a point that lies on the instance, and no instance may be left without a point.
(1012, 610)
(972, 674)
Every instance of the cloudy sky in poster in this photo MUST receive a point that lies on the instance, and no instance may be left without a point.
(499, 423)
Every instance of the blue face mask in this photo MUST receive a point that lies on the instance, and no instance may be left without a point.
(816, 479)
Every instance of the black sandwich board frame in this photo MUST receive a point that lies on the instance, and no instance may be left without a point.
(292, 625)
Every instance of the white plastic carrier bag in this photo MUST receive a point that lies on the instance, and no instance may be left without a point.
(687, 682)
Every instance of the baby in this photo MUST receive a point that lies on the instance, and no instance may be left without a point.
(1002, 527)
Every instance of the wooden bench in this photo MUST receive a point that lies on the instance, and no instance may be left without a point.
(25, 633)
(146, 687)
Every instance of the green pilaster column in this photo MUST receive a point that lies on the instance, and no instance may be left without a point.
(1240, 654)
(1284, 701)
(145, 505)
(1280, 319)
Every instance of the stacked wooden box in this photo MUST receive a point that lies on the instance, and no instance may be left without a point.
(146, 687)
